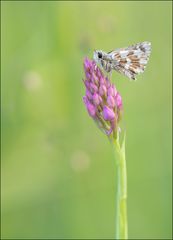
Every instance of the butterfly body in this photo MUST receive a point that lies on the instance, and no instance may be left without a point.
(129, 61)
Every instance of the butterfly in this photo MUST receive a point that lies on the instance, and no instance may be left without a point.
(129, 61)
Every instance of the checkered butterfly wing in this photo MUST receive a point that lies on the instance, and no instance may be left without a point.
(132, 60)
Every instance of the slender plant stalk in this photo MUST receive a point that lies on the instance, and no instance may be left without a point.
(121, 231)
(104, 105)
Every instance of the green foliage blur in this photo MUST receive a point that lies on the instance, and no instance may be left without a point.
(58, 172)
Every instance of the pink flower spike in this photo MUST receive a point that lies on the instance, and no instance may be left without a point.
(102, 101)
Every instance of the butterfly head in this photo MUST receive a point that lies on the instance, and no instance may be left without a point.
(98, 55)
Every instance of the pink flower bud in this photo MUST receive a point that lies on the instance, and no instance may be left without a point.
(112, 91)
(89, 94)
(87, 64)
(108, 113)
(96, 99)
(102, 90)
(93, 87)
(91, 109)
(118, 100)
(87, 84)
(111, 101)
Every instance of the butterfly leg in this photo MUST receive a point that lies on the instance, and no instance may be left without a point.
(110, 75)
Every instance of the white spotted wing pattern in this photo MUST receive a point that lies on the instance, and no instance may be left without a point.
(129, 61)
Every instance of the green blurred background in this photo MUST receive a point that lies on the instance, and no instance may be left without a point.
(58, 173)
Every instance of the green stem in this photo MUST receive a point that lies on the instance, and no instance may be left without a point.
(121, 195)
